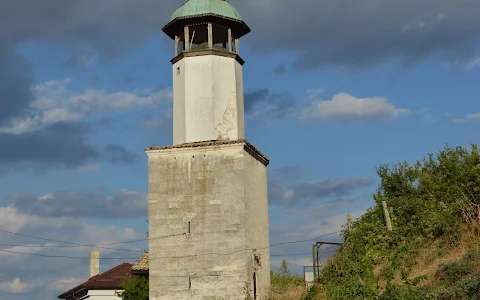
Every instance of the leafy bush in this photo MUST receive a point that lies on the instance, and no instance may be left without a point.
(135, 288)
(312, 293)
(451, 272)
(283, 280)
(430, 200)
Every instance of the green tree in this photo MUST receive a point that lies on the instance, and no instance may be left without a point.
(135, 288)
(283, 279)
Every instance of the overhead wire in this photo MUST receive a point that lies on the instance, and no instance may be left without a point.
(72, 244)
(66, 246)
(150, 258)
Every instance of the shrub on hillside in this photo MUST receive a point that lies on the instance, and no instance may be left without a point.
(430, 200)
(283, 279)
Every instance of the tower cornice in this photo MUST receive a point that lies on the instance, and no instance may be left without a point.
(213, 51)
(252, 150)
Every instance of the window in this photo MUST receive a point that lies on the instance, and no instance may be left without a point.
(254, 286)
(178, 70)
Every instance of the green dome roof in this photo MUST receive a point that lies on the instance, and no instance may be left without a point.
(192, 8)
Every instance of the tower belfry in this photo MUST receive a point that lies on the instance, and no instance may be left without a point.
(208, 203)
(207, 71)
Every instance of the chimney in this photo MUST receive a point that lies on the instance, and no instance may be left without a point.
(94, 263)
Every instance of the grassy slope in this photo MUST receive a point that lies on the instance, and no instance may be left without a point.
(432, 252)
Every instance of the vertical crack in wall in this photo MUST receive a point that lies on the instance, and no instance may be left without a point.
(226, 128)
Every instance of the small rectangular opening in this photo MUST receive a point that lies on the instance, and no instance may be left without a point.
(188, 227)
(189, 283)
(254, 286)
(178, 70)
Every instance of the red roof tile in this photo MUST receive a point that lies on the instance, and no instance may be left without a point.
(109, 280)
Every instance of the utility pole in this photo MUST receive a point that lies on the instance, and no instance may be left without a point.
(314, 259)
(386, 215)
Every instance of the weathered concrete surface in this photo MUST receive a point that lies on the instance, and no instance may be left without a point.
(221, 189)
(207, 99)
(94, 263)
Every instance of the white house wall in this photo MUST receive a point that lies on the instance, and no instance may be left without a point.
(103, 295)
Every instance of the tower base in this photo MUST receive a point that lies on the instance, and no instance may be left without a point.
(208, 221)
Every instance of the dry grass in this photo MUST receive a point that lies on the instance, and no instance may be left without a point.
(428, 261)
(291, 294)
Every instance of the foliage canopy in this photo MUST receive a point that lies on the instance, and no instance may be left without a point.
(430, 201)
(135, 288)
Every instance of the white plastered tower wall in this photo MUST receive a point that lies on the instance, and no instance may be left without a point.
(208, 99)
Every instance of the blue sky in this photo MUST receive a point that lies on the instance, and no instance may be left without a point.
(334, 91)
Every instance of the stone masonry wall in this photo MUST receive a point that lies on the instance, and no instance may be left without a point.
(221, 191)
(257, 225)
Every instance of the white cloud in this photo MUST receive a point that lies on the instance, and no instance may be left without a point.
(347, 107)
(54, 102)
(307, 192)
(15, 287)
(473, 64)
(24, 276)
(314, 94)
(470, 118)
(67, 204)
(429, 118)
(91, 167)
(156, 123)
(12, 219)
(64, 284)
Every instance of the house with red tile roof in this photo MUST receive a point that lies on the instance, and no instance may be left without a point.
(102, 286)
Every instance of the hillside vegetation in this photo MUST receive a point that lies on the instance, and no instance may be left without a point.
(432, 252)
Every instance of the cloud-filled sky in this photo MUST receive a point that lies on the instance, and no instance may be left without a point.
(333, 89)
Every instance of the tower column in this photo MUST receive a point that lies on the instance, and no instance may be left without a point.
(177, 39)
(187, 37)
(210, 35)
(229, 39)
(237, 46)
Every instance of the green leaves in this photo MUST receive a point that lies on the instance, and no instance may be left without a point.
(429, 200)
(135, 288)
(283, 279)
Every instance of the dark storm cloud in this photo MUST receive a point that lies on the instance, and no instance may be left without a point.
(268, 104)
(61, 144)
(15, 81)
(282, 191)
(118, 154)
(80, 59)
(362, 33)
(95, 204)
(320, 32)
(280, 69)
(104, 24)
(112, 27)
